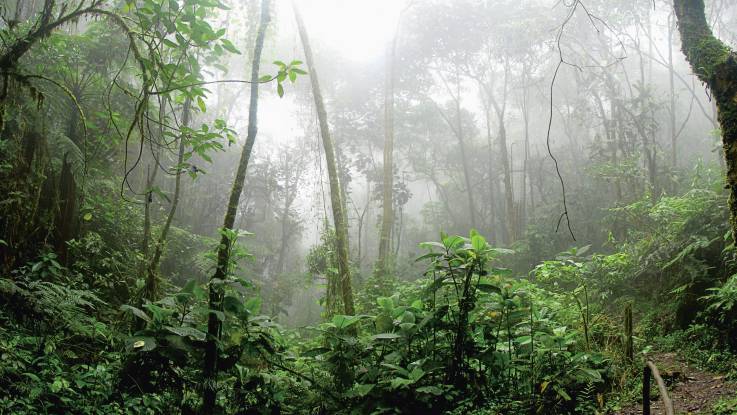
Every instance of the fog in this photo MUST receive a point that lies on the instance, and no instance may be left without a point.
(380, 207)
(614, 88)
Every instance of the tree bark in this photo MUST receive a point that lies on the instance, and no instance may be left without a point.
(716, 65)
(210, 372)
(510, 211)
(152, 274)
(336, 196)
(387, 217)
(671, 96)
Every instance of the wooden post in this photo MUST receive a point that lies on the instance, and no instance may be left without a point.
(667, 403)
(646, 391)
(629, 352)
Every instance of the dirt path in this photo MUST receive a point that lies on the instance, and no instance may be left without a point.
(692, 390)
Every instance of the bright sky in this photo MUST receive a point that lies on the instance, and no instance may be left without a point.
(357, 29)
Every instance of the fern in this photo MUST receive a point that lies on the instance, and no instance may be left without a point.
(56, 304)
(61, 147)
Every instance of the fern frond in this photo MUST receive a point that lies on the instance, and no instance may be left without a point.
(61, 147)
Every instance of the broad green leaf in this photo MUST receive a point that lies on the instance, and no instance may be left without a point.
(141, 343)
(386, 336)
(228, 45)
(136, 312)
(184, 331)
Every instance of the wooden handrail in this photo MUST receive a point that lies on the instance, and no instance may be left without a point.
(667, 403)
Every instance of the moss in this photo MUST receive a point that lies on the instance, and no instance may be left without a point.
(707, 55)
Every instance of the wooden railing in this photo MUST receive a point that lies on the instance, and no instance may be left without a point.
(649, 369)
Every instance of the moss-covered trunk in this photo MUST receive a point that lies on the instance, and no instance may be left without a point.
(209, 387)
(716, 65)
(337, 202)
(387, 216)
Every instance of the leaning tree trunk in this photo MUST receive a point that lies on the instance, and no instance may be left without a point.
(716, 65)
(151, 288)
(209, 390)
(336, 197)
(387, 217)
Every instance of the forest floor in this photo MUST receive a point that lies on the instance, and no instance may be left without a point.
(692, 390)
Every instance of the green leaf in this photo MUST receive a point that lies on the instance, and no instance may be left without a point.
(360, 390)
(87, 217)
(488, 287)
(233, 304)
(201, 104)
(433, 390)
(280, 90)
(219, 314)
(315, 352)
(184, 331)
(386, 336)
(253, 305)
(478, 243)
(265, 78)
(386, 303)
(228, 45)
(136, 312)
(141, 343)
(341, 321)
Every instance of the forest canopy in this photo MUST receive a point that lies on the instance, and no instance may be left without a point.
(368, 207)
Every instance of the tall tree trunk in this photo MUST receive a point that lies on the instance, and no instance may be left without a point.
(148, 200)
(66, 217)
(66, 220)
(716, 65)
(209, 390)
(387, 217)
(337, 201)
(464, 157)
(522, 218)
(457, 129)
(151, 288)
(504, 158)
(671, 95)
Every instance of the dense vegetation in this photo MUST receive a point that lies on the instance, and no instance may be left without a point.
(507, 210)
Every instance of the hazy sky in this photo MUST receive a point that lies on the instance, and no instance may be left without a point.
(354, 29)
(357, 29)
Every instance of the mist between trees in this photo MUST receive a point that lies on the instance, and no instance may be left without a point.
(346, 206)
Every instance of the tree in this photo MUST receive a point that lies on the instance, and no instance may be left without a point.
(387, 216)
(152, 272)
(209, 390)
(337, 201)
(715, 64)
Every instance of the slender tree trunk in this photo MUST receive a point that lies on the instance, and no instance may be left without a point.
(148, 200)
(336, 195)
(210, 372)
(506, 169)
(457, 129)
(152, 275)
(671, 95)
(387, 217)
(66, 215)
(288, 199)
(716, 65)
(492, 179)
(464, 157)
(522, 219)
